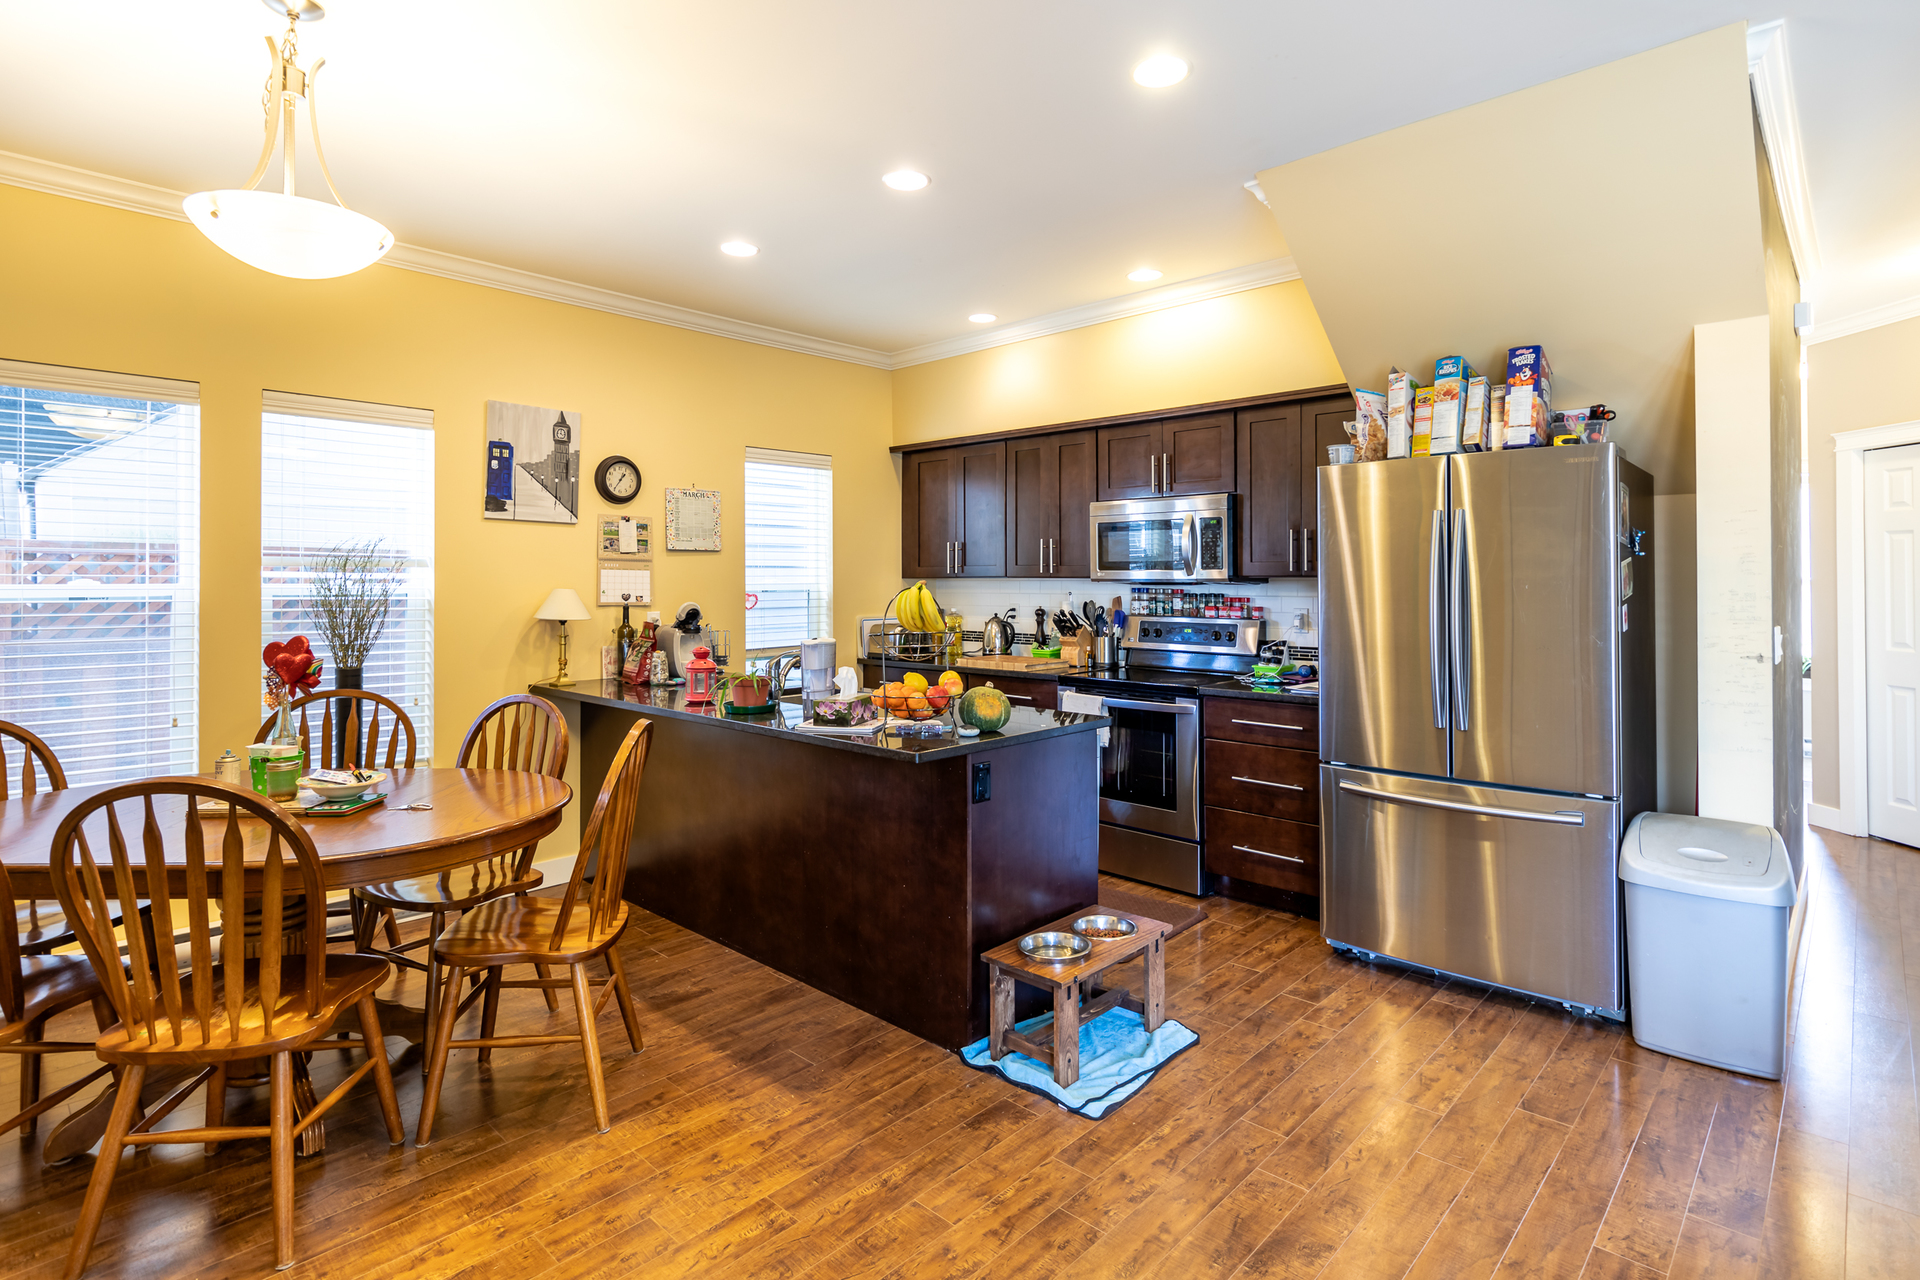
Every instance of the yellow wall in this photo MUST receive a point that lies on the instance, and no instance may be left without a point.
(1245, 344)
(1861, 380)
(106, 289)
(1603, 214)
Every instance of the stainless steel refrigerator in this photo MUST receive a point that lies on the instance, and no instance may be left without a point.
(1486, 712)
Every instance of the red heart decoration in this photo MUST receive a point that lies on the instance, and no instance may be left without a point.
(290, 667)
(298, 645)
(272, 652)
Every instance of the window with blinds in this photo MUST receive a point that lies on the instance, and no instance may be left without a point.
(789, 539)
(100, 568)
(336, 474)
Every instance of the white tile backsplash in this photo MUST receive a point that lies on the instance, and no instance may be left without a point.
(978, 597)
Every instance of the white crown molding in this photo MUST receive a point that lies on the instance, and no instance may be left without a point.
(140, 197)
(1199, 289)
(1780, 128)
(1861, 321)
(1885, 437)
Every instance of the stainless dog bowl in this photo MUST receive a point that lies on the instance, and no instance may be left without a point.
(1120, 925)
(1055, 947)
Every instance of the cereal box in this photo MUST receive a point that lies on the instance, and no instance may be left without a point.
(1529, 397)
(1453, 367)
(1449, 413)
(1497, 415)
(1422, 442)
(1401, 389)
(1473, 432)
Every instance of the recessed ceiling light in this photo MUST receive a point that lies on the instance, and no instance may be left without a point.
(983, 317)
(739, 249)
(1159, 71)
(1143, 275)
(906, 180)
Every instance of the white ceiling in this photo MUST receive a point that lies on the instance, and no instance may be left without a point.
(617, 144)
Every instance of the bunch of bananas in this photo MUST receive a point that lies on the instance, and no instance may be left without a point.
(917, 610)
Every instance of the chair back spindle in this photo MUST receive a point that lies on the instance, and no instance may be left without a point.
(18, 758)
(207, 1006)
(523, 732)
(605, 840)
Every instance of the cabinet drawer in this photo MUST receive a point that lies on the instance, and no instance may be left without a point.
(1269, 851)
(1271, 781)
(1022, 691)
(1272, 724)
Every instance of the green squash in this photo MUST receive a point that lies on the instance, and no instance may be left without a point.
(986, 709)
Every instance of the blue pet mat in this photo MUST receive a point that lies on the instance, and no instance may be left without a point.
(1117, 1058)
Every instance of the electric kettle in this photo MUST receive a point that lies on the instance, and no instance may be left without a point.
(996, 637)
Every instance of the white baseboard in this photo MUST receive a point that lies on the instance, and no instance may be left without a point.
(555, 870)
(1828, 818)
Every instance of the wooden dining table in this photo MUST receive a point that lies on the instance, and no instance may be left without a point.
(476, 814)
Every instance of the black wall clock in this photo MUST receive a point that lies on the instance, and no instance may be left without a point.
(617, 479)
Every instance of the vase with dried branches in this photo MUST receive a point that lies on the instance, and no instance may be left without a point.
(353, 589)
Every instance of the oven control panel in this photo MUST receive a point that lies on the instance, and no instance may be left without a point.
(1196, 635)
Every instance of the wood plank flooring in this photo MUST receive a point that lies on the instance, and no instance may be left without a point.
(1336, 1120)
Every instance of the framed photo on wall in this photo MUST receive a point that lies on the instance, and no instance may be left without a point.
(533, 464)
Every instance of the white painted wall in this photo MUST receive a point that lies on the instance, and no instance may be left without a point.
(1733, 526)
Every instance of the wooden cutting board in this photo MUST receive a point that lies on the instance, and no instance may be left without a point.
(1016, 662)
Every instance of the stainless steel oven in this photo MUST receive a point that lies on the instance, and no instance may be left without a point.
(1186, 539)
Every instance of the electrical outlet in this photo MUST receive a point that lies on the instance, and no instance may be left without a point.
(982, 780)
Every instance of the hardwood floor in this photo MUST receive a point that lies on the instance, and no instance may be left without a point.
(1335, 1120)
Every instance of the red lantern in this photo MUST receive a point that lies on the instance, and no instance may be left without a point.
(703, 674)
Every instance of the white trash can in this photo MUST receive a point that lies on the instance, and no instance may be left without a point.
(1711, 927)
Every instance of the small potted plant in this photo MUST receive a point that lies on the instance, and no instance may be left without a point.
(749, 693)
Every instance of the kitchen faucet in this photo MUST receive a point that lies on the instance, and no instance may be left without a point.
(779, 667)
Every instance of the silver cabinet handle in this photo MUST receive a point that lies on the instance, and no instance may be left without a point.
(1268, 724)
(1166, 475)
(1016, 697)
(1153, 473)
(1171, 708)
(1306, 551)
(1053, 555)
(1264, 854)
(960, 556)
(1262, 782)
(1435, 546)
(1457, 630)
(1290, 550)
(1560, 817)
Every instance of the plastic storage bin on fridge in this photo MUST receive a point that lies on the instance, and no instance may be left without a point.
(1712, 920)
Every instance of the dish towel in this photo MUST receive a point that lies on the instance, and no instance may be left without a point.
(1117, 1058)
(1085, 704)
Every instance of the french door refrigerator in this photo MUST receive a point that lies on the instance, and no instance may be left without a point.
(1486, 712)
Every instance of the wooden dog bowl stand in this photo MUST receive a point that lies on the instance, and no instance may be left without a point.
(1078, 995)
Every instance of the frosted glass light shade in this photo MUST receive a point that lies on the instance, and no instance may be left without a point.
(288, 235)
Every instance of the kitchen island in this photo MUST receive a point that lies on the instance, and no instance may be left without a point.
(874, 870)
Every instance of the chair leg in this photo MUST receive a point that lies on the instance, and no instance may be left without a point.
(590, 1046)
(382, 1070)
(553, 999)
(281, 1138)
(436, 920)
(216, 1102)
(393, 930)
(437, 1059)
(623, 996)
(30, 1075)
(489, 1007)
(125, 1103)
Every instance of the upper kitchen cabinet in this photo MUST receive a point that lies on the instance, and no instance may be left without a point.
(953, 517)
(1167, 456)
(1050, 483)
(1281, 448)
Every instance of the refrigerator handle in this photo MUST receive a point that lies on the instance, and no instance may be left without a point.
(1457, 623)
(1434, 552)
(1559, 817)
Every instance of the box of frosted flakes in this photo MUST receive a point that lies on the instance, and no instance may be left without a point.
(1401, 389)
(1529, 397)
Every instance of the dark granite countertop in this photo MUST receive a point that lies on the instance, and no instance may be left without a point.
(1209, 685)
(1237, 690)
(1027, 725)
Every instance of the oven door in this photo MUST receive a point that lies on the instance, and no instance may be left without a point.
(1149, 769)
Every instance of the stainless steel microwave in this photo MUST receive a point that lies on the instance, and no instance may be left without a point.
(1187, 539)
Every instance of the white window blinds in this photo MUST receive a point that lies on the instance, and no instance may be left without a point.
(336, 474)
(789, 540)
(100, 568)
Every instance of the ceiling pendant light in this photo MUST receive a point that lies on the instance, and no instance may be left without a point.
(280, 232)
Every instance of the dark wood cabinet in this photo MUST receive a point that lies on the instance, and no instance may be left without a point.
(1281, 449)
(953, 517)
(1170, 456)
(1050, 483)
(1260, 776)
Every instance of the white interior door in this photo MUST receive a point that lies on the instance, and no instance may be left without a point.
(1893, 648)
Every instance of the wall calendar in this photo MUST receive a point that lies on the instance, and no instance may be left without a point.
(693, 520)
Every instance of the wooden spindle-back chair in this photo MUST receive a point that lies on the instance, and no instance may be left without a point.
(362, 750)
(585, 922)
(28, 767)
(355, 745)
(233, 1002)
(33, 988)
(520, 732)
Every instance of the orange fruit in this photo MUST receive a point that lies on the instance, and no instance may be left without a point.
(916, 703)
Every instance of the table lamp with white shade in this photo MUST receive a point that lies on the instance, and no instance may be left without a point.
(563, 606)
